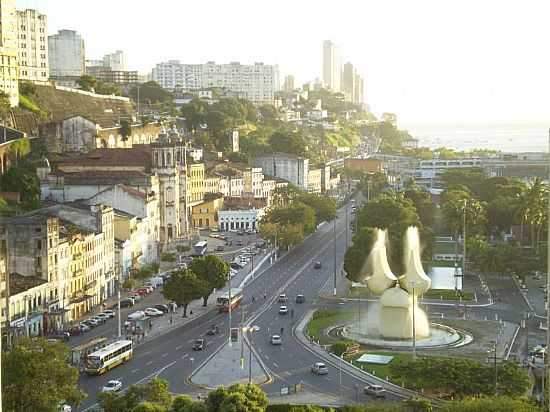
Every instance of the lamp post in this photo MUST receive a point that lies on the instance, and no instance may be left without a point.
(548, 279)
(464, 237)
(229, 307)
(414, 321)
(250, 329)
(334, 285)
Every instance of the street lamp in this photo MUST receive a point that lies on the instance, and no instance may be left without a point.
(464, 237)
(250, 329)
(334, 285)
(414, 320)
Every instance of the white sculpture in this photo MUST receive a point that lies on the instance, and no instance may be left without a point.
(397, 311)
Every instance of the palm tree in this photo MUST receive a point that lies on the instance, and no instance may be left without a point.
(533, 210)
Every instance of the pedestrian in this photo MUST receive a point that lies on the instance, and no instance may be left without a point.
(253, 299)
(150, 324)
(171, 319)
(265, 296)
(191, 312)
(282, 330)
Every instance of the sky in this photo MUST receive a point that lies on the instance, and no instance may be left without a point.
(430, 61)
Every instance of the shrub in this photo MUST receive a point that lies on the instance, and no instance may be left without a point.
(183, 248)
(168, 257)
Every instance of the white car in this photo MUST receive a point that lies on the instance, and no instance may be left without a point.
(276, 340)
(110, 313)
(375, 390)
(283, 310)
(153, 312)
(112, 386)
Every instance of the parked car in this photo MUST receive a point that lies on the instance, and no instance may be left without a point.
(135, 296)
(103, 316)
(199, 344)
(283, 310)
(319, 368)
(153, 312)
(219, 248)
(276, 340)
(300, 298)
(100, 319)
(317, 265)
(126, 303)
(163, 308)
(139, 314)
(84, 327)
(375, 390)
(236, 265)
(112, 386)
(109, 313)
(76, 330)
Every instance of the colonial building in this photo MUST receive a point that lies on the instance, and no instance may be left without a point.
(241, 214)
(205, 214)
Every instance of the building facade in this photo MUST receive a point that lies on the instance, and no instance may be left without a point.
(32, 36)
(257, 82)
(115, 61)
(66, 55)
(291, 168)
(332, 66)
(205, 214)
(9, 73)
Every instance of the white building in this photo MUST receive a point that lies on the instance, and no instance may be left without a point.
(8, 51)
(285, 166)
(66, 54)
(235, 218)
(115, 61)
(332, 66)
(257, 82)
(32, 32)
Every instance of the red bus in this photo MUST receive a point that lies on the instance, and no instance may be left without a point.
(224, 303)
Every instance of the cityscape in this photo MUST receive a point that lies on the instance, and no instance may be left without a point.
(207, 235)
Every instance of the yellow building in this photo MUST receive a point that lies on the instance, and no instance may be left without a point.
(195, 183)
(205, 214)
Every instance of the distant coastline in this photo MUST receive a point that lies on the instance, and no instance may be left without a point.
(526, 137)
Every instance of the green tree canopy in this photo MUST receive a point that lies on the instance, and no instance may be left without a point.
(324, 207)
(288, 141)
(183, 287)
(491, 404)
(150, 92)
(37, 377)
(213, 271)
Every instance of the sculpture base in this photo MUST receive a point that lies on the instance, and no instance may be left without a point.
(440, 336)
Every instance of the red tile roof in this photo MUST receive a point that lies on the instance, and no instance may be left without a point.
(132, 157)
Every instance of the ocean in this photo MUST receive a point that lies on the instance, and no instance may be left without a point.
(528, 137)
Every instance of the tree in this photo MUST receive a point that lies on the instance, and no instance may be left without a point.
(213, 271)
(148, 407)
(269, 113)
(22, 178)
(5, 106)
(153, 396)
(241, 398)
(423, 204)
(183, 287)
(356, 256)
(491, 404)
(87, 83)
(125, 129)
(37, 377)
(324, 207)
(472, 178)
(287, 141)
(296, 213)
(150, 92)
(183, 403)
(290, 235)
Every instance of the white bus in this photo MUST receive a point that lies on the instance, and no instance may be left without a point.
(223, 302)
(108, 357)
(199, 249)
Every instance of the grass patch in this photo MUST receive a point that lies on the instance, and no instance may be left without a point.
(382, 371)
(25, 102)
(321, 320)
(447, 294)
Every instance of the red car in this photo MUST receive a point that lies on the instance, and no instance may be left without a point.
(143, 291)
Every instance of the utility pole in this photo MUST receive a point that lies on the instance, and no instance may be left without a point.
(118, 307)
(464, 239)
(548, 277)
(229, 309)
(414, 322)
(347, 226)
(242, 337)
(138, 102)
(334, 290)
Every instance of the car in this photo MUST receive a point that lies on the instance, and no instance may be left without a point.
(103, 316)
(276, 340)
(240, 233)
(112, 386)
(199, 344)
(300, 298)
(135, 296)
(75, 330)
(92, 322)
(377, 391)
(126, 303)
(162, 307)
(283, 310)
(317, 265)
(64, 336)
(236, 265)
(219, 248)
(100, 319)
(109, 313)
(84, 327)
(282, 298)
(153, 312)
(319, 368)
(214, 330)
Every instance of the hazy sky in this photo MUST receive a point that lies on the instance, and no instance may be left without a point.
(425, 60)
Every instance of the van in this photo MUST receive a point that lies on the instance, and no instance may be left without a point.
(137, 315)
(156, 281)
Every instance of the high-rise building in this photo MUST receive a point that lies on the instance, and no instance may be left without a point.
(66, 54)
(288, 85)
(115, 61)
(258, 82)
(352, 84)
(8, 51)
(32, 32)
(332, 66)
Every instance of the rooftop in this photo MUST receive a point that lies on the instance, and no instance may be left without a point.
(104, 177)
(137, 156)
(20, 283)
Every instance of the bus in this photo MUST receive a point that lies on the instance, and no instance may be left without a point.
(199, 249)
(80, 352)
(223, 301)
(107, 358)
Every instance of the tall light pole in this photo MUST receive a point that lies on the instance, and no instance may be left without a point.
(229, 308)
(464, 238)
(334, 285)
(414, 322)
(118, 307)
(548, 276)
(250, 329)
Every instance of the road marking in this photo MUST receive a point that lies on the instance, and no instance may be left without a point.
(275, 364)
(267, 357)
(134, 370)
(185, 356)
(148, 363)
(179, 347)
(146, 353)
(164, 355)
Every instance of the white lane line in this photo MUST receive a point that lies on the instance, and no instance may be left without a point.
(179, 347)
(135, 370)
(275, 364)
(267, 357)
(146, 353)
(164, 355)
(148, 363)
(185, 356)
